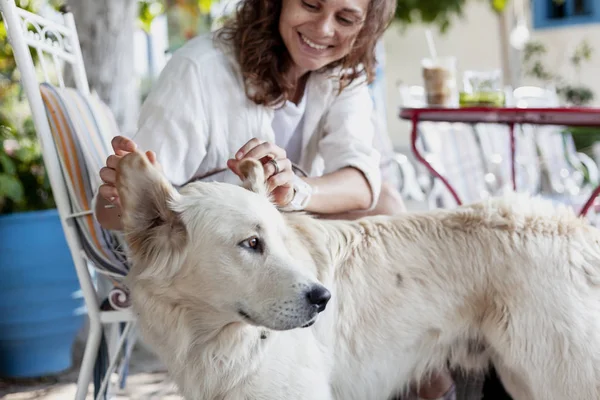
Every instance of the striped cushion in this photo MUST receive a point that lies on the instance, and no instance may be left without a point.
(82, 126)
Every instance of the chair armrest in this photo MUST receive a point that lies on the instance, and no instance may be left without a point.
(591, 167)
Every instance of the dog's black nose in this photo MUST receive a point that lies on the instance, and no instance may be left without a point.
(318, 296)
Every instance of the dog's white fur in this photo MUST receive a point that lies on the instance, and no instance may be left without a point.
(513, 281)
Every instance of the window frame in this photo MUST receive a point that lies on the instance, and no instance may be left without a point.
(541, 11)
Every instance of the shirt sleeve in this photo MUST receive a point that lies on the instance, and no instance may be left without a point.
(349, 133)
(172, 121)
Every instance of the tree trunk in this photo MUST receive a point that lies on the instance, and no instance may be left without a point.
(106, 33)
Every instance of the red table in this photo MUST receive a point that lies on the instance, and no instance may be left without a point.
(571, 116)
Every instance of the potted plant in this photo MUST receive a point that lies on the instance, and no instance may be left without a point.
(41, 306)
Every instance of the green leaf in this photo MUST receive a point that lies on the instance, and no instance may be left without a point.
(204, 6)
(148, 11)
(8, 165)
(436, 12)
(11, 188)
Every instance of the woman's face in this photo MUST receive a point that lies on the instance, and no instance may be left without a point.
(318, 32)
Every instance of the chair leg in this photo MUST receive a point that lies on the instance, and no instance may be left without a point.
(113, 335)
(114, 359)
(89, 358)
(123, 370)
(95, 327)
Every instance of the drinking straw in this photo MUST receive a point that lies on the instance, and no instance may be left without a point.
(430, 44)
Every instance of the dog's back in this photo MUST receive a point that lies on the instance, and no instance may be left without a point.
(512, 279)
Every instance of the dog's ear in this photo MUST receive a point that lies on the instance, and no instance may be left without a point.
(253, 176)
(155, 234)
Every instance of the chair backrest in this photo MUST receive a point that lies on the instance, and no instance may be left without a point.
(552, 144)
(453, 150)
(74, 128)
(495, 145)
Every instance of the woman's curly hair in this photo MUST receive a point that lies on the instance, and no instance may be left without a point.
(263, 57)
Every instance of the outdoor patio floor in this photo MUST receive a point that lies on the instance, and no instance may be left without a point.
(147, 380)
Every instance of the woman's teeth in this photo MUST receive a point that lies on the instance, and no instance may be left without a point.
(312, 44)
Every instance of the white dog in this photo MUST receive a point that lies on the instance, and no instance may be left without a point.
(226, 286)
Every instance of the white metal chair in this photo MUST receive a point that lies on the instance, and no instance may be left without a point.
(562, 162)
(74, 128)
(495, 145)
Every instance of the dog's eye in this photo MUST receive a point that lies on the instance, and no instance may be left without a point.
(252, 243)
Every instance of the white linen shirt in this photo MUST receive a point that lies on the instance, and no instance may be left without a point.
(198, 115)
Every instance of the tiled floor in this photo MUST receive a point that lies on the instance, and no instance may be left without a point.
(147, 380)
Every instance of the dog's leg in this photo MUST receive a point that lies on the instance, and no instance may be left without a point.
(554, 366)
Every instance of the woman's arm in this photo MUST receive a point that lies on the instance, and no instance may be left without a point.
(352, 177)
(344, 190)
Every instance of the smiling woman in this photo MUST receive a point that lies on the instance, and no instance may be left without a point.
(318, 33)
(304, 36)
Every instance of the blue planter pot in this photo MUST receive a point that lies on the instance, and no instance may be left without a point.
(41, 304)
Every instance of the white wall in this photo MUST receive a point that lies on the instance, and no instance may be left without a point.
(560, 43)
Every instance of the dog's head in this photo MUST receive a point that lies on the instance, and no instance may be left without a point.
(217, 247)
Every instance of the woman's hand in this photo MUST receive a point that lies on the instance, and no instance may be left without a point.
(121, 146)
(278, 168)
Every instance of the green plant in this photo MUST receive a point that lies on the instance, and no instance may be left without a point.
(24, 184)
(574, 93)
(437, 12)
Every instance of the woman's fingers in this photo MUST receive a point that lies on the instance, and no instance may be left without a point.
(284, 178)
(266, 149)
(283, 165)
(122, 145)
(233, 165)
(108, 175)
(151, 156)
(113, 161)
(258, 149)
(109, 192)
(252, 143)
(265, 152)
(281, 187)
